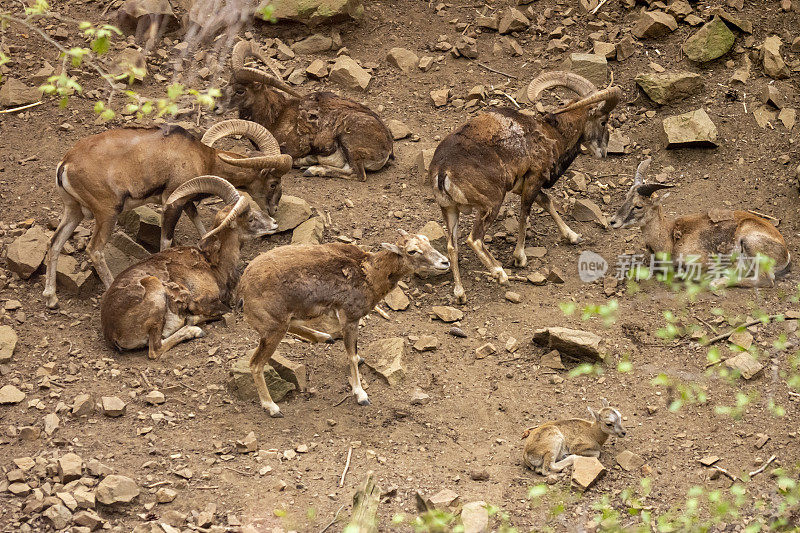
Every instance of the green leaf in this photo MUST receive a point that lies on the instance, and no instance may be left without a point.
(100, 45)
(174, 91)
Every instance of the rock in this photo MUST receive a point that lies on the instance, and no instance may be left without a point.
(488, 23)
(88, 519)
(248, 444)
(112, 406)
(317, 69)
(26, 253)
(745, 364)
(742, 74)
(114, 489)
(669, 86)
(385, 357)
(607, 50)
(71, 279)
(15, 93)
(289, 370)
(625, 48)
(742, 339)
(466, 47)
(349, 74)
(404, 59)
(165, 495)
(313, 44)
(440, 97)
(144, 225)
(43, 74)
(242, 386)
(122, 251)
(711, 41)
(788, 117)
(316, 12)
(425, 63)
(435, 233)
(475, 517)
(485, 350)
(709, 460)
(771, 95)
(443, 499)
(70, 467)
(82, 405)
(552, 360)
(155, 397)
(617, 143)
(84, 498)
(398, 129)
(397, 299)
(593, 67)
(51, 423)
(326, 323)
(134, 17)
(761, 440)
(586, 470)
(513, 297)
(59, 516)
(426, 343)
(29, 433)
(772, 60)
(554, 275)
(629, 461)
(763, 115)
(572, 342)
(692, 129)
(733, 22)
(9, 394)
(292, 211)
(309, 232)
(654, 24)
(679, 9)
(419, 398)
(513, 20)
(457, 332)
(423, 160)
(130, 62)
(8, 343)
(447, 313)
(587, 211)
(537, 278)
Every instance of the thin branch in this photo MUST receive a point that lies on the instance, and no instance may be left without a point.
(594, 11)
(21, 108)
(346, 466)
(490, 69)
(725, 472)
(324, 529)
(762, 467)
(745, 325)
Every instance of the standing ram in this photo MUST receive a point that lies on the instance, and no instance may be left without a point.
(120, 169)
(330, 135)
(505, 150)
(160, 301)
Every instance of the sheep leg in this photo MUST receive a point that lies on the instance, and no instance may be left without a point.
(104, 225)
(475, 241)
(169, 219)
(328, 171)
(303, 162)
(544, 200)
(558, 466)
(350, 333)
(308, 334)
(520, 259)
(73, 214)
(184, 334)
(266, 347)
(450, 215)
(191, 211)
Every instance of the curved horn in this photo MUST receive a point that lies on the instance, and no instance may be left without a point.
(281, 162)
(246, 74)
(641, 170)
(559, 78)
(649, 188)
(205, 185)
(255, 132)
(238, 208)
(247, 49)
(610, 96)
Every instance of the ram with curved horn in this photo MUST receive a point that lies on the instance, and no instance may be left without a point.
(159, 302)
(120, 169)
(504, 150)
(326, 134)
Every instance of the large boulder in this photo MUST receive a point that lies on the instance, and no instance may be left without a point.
(315, 12)
(309, 232)
(292, 211)
(669, 86)
(26, 253)
(14, 93)
(144, 225)
(242, 386)
(692, 129)
(710, 42)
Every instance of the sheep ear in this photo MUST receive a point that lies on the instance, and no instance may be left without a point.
(605, 402)
(392, 248)
(402, 232)
(593, 413)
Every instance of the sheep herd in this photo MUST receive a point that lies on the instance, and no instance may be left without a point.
(161, 301)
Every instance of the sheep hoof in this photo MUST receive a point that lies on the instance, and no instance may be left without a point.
(364, 402)
(274, 410)
(521, 262)
(51, 301)
(360, 360)
(574, 238)
(461, 296)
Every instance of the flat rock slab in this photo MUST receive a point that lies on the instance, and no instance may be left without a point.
(316, 12)
(629, 461)
(114, 489)
(443, 499)
(710, 42)
(445, 313)
(309, 232)
(349, 74)
(15, 93)
(669, 86)
(692, 129)
(747, 366)
(242, 386)
(8, 343)
(586, 471)
(385, 357)
(9, 394)
(654, 24)
(292, 211)
(313, 44)
(426, 343)
(773, 63)
(475, 517)
(572, 342)
(397, 299)
(26, 253)
(402, 58)
(593, 67)
(586, 210)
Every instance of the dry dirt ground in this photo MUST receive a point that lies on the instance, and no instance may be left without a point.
(478, 408)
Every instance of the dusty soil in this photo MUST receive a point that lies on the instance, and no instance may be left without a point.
(478, 407)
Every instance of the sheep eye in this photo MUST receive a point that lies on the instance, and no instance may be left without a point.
(240, 91)
(413, 252)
